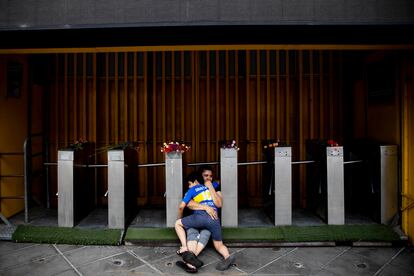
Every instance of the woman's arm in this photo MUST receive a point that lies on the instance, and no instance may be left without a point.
(197, 206)
(216, 198)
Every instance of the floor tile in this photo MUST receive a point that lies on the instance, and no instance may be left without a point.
(353, 264)
(48, 266)
(381, 254)
(315, 257)
(153, 254)
(91, 253)
(117, 264)
(251, 259)
(7, 247)
(26, 255)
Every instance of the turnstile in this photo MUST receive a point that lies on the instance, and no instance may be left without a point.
(317, 178)
(76, 188)
(122, 187)
(372, 185)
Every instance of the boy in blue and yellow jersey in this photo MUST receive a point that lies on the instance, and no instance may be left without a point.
(198, 239)
(206, 196)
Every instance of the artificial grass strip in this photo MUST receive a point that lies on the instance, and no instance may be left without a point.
(307, 233)
(324, 233)
(252, 234)
(63, 235)
(374, 232)
(151, 234)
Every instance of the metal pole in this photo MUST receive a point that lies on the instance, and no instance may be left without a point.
(26, 179)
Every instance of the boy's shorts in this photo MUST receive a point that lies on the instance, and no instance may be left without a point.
(203, 220)
(201, 236)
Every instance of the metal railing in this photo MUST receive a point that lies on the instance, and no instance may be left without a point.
(2, 217)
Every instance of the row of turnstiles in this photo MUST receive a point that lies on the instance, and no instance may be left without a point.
(373, 185)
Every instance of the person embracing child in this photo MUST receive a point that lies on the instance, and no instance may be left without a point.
(207, 196)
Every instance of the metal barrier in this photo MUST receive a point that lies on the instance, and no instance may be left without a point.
(2, 217)
(27, 176)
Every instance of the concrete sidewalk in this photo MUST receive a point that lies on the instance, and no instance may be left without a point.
(50, 259)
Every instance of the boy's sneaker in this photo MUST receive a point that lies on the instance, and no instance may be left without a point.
(225, 264)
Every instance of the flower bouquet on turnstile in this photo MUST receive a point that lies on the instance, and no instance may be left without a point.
(229, 144)
(78, 145)
(174, 147)
(332, 143)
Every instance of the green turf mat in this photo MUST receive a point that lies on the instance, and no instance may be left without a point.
(151, 234)
(43, 234)
(252, 234)
(331, 233)
(374, 232)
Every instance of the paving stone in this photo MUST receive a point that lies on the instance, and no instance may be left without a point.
(26, 255)
(324, 272)
(153, 254)
(116, 264)
(283, 266)
(69, 272)
(91, 253)
(65, 248)
(353, 264)
(315, 257)
(405, 259)
(167, 265)
(392, 270)
(381, 254)
(7, 247)
(143, 270)
(251, 259)
(44, 266)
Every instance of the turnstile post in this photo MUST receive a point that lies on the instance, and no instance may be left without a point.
(66, 212)
(228, 169)
(283, 185)
(116, 189)
(174, 185)
(389, 183)
(335, 185)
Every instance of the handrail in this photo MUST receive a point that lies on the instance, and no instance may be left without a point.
(2, 217)
(26, 179)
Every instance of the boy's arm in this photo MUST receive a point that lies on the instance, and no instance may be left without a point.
(181, 209)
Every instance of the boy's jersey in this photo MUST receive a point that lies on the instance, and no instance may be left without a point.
(200, 194)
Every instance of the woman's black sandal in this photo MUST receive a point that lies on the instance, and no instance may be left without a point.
(184, 266)
(191, 258)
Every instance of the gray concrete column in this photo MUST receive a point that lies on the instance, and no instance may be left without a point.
(116, 189)
(283, 186)
(389, 183)
(228, 169)
(174, 185)
(66, 215)
(335, 185)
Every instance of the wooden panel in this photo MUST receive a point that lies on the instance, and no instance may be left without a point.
(166, 95)
(408, 151)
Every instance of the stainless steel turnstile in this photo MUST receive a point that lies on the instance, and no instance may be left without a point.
(122, 183)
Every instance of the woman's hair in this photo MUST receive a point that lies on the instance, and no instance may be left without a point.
(193, 176)
(205, 168)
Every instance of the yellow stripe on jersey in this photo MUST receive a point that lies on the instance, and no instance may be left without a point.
(203, 196)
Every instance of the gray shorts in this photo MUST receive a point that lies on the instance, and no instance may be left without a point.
(200, 236)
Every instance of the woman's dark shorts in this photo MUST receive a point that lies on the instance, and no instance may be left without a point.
(203, 220)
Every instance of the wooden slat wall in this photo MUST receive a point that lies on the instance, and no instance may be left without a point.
(199, 97)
